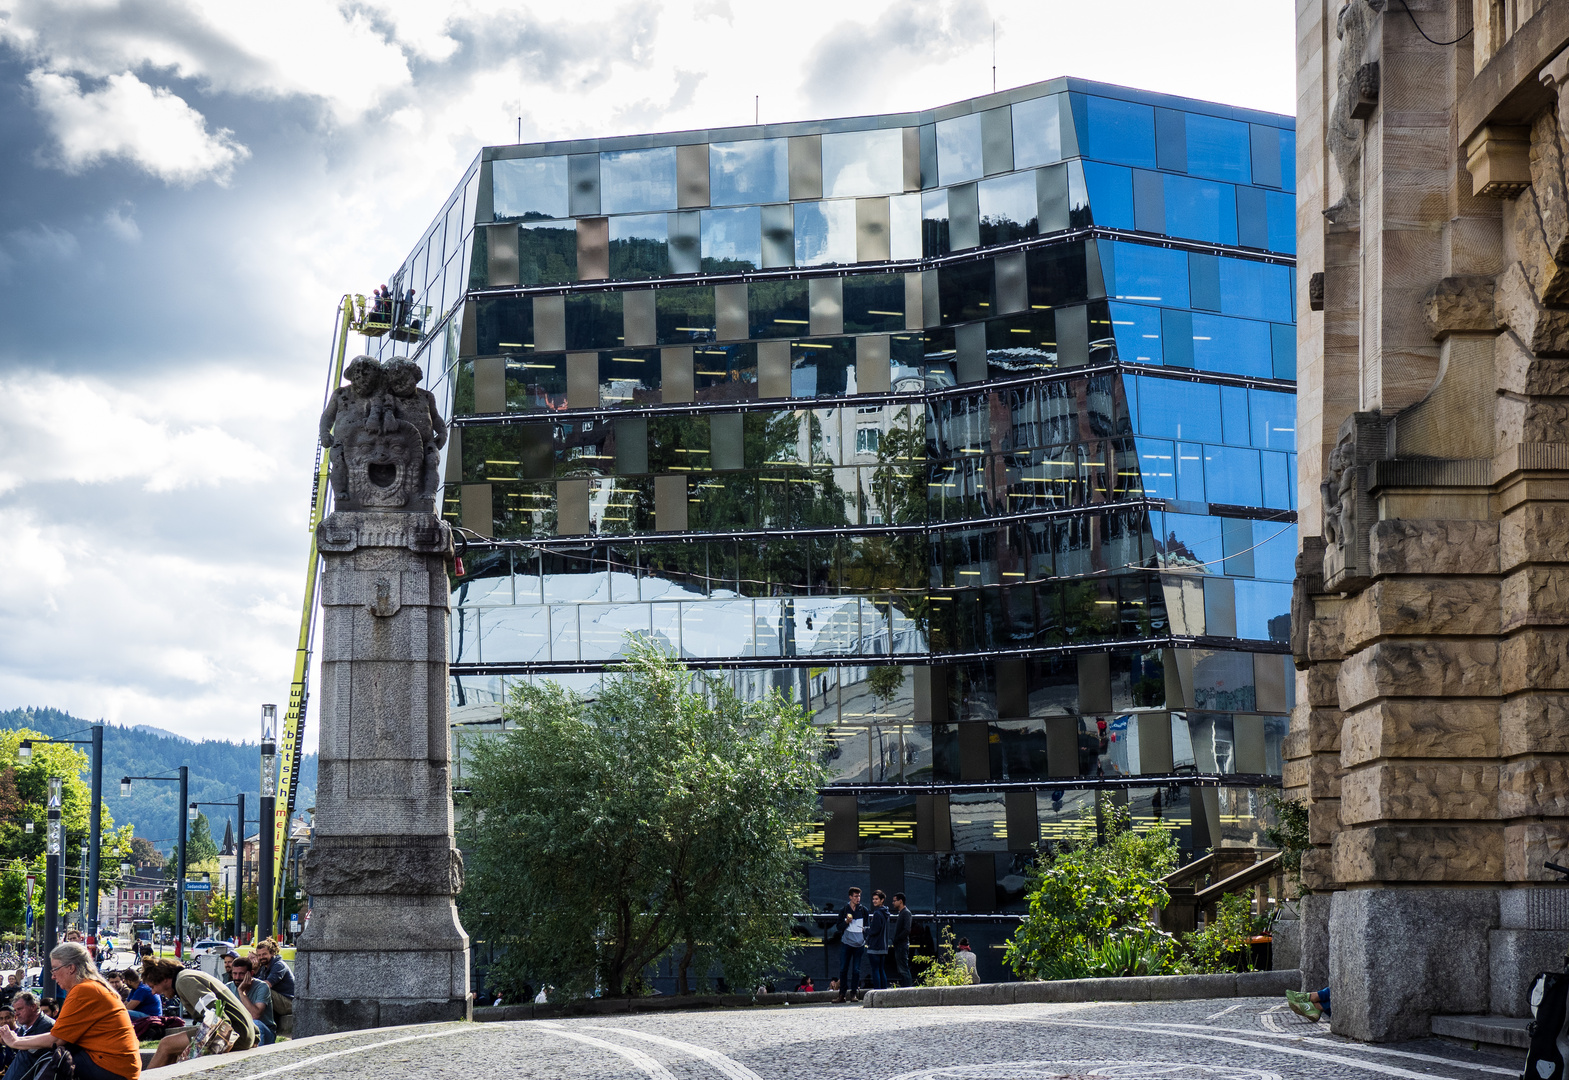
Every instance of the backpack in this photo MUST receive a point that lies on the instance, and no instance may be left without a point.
(56, 1063)
(1549, 1030)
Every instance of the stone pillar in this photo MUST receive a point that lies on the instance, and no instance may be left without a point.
(384, 945)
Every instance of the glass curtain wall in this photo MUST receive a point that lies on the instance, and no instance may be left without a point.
(973, 429)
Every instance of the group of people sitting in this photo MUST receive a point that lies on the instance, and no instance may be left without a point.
(102, 1017)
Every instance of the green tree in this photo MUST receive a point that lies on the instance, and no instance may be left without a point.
(665, 812)
(145, 853)
(1091, 893)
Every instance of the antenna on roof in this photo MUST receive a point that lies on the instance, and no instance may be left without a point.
(757, 108)
(994, 58)
(520, 129)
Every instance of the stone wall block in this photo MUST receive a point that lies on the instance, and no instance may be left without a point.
(1324, 640)
(1419, 668)
(1520, 372)
(1323, 822)
(1314, 731)
(1534, 724)
(1460, 304)
(1417, 546)
(1324, 776)
(1545, 331)
(1532, 532)
(1529, 844)
(1536, 595)
(1535, 658)
(1323, 689)
(1413, 853)
(1396, 956)
(1409, 606)
(1413, 791)
(1527, 420)
(1534, 787)
(1318, 869)
(1420, 729)
(1296, 773)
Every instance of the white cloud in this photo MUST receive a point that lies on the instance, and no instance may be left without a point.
(128, 119)
(88, 432)
(120, 222)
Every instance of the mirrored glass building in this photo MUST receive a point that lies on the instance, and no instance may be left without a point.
(973, 428)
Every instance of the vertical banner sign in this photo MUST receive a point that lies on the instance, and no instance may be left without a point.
(290, 744)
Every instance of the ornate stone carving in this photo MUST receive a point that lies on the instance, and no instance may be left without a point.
(1348, 509)
(388, 434)
(1358, 48)
(1460, 304)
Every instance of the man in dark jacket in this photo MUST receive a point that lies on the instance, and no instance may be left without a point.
(899, 954)
(877, 943)
(852, 944)
(30, 1020)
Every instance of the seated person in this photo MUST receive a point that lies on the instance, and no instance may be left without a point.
(256, 996)
(93, 1024)
(144, 1001)
(30, 1020)
(271, 969)
(1311, 1005)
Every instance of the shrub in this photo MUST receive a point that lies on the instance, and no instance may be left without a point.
(944, 969)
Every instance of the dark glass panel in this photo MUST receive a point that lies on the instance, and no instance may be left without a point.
(504, 324)
(725, 372)
(1009, 208)
(778, 308)
(873, 303)
(639, 246)
(547, 252)
(1057, 275)
(629, 377)
(684, 316)
(966, 291)
(593, 321)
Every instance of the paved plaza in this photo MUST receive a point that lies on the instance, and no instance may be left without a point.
(1247, 1039)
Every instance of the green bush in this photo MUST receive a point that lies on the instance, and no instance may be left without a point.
(944, 969)
(1090, 894)
(1216, 947)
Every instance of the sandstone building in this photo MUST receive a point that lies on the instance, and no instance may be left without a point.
(1431, 613)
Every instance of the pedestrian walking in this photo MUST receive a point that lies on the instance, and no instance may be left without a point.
(899, 945)
(852, 945)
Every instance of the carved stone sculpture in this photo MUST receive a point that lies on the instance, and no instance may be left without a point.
(387, 433)
(383, 860)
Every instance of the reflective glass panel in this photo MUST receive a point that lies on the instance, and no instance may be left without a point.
(1110, 194)
(638, 246)
(1200, 209)
(1275, 551)
(684, 316)
(1146, 274)
(1008, 208)
(1137, 329)
(934, 222)
(1282, 216)
(638, 180)
(1219, 149)
(547, 252)
(1234, 346)
(529, 188)
(959, 149)
(1173, 409)
(753, 171)
(732, 240)
(1263, 610)
(1120, 131)
(1274, 419)
(1037, 132)
(1231, 475)
(863, 162)
(1156, 468)
(904, 226)
(824, 232)
(1255, 290)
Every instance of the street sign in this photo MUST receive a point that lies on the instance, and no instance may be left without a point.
(198, 886)
(29, 918)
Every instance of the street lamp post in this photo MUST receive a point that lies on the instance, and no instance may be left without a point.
(266, 888)
(52, 884)
(24, 752)
(239, 859)
(186, 812)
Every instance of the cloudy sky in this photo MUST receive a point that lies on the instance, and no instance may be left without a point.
(188, 186)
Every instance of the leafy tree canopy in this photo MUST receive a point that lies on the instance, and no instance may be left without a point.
(666, 812)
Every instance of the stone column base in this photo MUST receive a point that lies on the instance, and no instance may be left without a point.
(397, 988)
(1397, 956)
(1313, 943)
(1516, 957)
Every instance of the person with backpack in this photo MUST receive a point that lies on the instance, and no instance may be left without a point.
(852, 945)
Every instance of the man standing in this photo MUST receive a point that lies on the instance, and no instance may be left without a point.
(30, 1020)
(900, 954)
(852, 944)
(877, 943)
(256, 996)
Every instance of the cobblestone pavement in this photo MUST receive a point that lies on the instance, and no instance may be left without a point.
(1249, 1039)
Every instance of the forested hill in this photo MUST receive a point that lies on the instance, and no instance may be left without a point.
(219, 771)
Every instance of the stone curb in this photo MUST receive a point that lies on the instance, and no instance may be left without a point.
(1135, 988)
(491, 1014)
(218, 1061)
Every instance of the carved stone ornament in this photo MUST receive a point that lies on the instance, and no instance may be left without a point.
(1348, 508)
(385, 434)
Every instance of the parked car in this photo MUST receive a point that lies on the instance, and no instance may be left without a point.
(212, 943)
